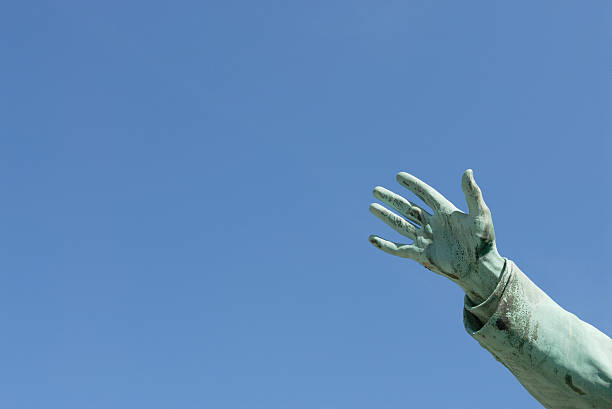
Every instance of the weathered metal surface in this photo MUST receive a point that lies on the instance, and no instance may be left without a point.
(562, 361)
(448, 242)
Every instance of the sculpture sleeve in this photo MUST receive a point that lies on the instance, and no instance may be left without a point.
(564, 362)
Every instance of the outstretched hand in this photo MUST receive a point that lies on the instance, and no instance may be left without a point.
(457, 245)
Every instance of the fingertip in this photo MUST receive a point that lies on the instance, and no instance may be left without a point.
(405, 179)
(469, 178)
(402, 175)
(378, 191)
(465, 180)
(374, 240)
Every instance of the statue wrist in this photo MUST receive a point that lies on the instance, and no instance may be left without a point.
(484, 279)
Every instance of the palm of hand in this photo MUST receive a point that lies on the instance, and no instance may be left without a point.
(454, 242)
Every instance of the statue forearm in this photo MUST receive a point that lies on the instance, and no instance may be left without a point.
(561, 360)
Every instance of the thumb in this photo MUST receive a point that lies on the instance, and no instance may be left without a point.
(473, 194)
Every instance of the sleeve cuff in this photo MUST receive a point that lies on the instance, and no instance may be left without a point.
(477, 315)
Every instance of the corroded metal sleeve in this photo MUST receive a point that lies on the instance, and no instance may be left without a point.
(564, 362)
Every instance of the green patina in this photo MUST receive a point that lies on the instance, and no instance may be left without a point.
(505, 312)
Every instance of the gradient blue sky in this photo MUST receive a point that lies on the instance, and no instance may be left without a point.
(186, 188)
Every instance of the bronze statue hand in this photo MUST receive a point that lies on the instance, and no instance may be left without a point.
(449, 242)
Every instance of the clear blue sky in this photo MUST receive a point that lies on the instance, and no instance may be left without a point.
(185, 191)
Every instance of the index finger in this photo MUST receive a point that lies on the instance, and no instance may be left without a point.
(428, 194)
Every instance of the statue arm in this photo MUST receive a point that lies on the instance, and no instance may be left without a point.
(562, 361)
